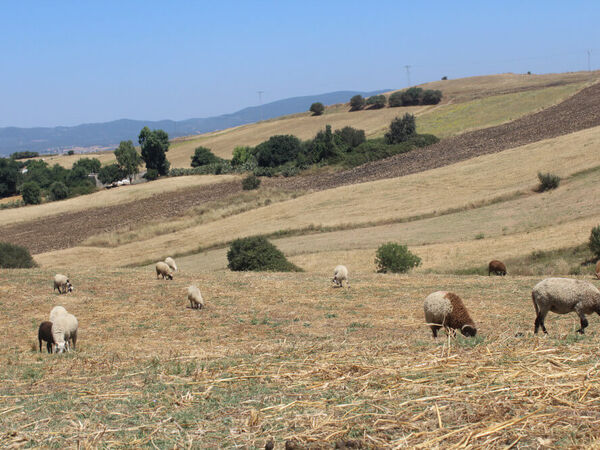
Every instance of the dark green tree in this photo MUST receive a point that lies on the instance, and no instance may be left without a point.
(58, 190)
(595, 241)
(128, 159)
(412, 96)
(31, 192)
(401, 129)
(155, 144)
(357, 102)
(15, 257)
(278, 150)
(395, 99)
(323, 146)
(111, 173)
(351, 136)
(91, 165)
(10, 176)
(257, 254)
(431, 97)
(376, 101)
(317, 108)
(203, 156)
(395, 258)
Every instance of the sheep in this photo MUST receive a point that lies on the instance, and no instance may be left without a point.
(563, 295)
(57, 311)
(496, 267)
(598, 270)
(195, 297)
(45, 334)
(164, 270)
(62, 283)
(171, 263)
(64, 329)
(340, 273)
(445, 309)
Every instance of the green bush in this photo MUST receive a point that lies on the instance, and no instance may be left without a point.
(396, 258)
(548, 181)
(278, 150)
(24, 155)
(317, 108)
(71, 152)
(151, 174)
(411, 96)
(91, 165)
(401, 129)
(351, 136)
(595, 241)
(111, 173)
(395, 99)
(357, 102)
(377, 101)
(31, 193)
(15, 257)
(58, 190)
(431, 97)
(257, 254)
(241, 155)
(203, 156)
(250, 182)
(375, 149)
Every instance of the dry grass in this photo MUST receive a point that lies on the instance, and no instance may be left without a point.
(471, 182)
(109, 197)
(287, 356)
(105, 157)
(14, 198)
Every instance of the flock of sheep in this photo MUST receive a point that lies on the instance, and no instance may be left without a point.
(442, 309)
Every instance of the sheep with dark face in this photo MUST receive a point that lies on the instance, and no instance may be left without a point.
(340, 273)
(45, 334)
(445, 309)
(162, 269)
(562, 296)
(62, 283)
(496, 267)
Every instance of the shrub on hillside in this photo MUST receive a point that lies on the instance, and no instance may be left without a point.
(257, 254)
(91, 165)
(15, 257)
(548, 181)
(111, 173)
(24, 155)
(401, 129)
(250, 182)
(203, 156)
(32, 195)
(431, 97)
(323, 147)
(58, 190)
(357, 102)
(395, 258)
(317, 108)
(241, 155)
(375, 149)
(278, 150)
(351, 136)
(411, 96)
(376, 101)
(151, 174)
(395, 99)
(595, 241)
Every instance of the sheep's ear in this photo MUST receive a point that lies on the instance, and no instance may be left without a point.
(468, 330)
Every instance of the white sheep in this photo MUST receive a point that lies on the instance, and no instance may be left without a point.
(563, 295)
(340, 273)
(446, 309)
(57, 311)
(64, 328)
(164, 270)
(62, 283)
(171, 263)
(195, 297)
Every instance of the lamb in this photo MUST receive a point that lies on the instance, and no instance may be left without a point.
(164, 270)
(45, 334)
(195, 298)
(57, 311)
(445, 309)
(340, 273)
(64, 329)
(171, 263)
(563, 295)
(598, 270)
(62, 283)
(496, 267)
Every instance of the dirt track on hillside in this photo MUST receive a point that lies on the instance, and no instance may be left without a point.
(67, 230)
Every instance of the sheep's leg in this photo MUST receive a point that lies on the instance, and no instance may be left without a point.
(434, 330)
(40, 345)
(48, 347)
(583, 320)
(539, 321)
(74, 338)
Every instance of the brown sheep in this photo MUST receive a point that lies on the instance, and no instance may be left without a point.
(496, 267)
(446, 309)
(45, 334)
(598, 270)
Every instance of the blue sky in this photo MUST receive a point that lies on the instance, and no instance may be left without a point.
(72, 62)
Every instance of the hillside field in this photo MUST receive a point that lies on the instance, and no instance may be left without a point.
(290, 357)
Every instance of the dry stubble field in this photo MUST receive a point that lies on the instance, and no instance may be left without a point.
(287, 356)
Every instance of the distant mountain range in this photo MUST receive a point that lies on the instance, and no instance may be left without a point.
(108, 134)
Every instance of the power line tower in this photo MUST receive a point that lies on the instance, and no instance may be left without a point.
(260, 93)
(408, 74)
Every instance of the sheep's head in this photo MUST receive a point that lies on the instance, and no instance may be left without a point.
(69, 287)
(468, 330)
(169, 276)
(61, 347)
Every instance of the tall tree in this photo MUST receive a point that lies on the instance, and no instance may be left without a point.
(128, 158)
(155, 143)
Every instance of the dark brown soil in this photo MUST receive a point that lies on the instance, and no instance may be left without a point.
(67, 230)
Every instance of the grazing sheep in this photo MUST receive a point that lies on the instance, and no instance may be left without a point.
(62, 283)
(57, 311)
(164, 270)
(598, 270)
(64, 329)
(195, 298)
(45, 334)
(563, 295)
(171, 263)
(496, 267)
(445, 309)
(340, 273)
